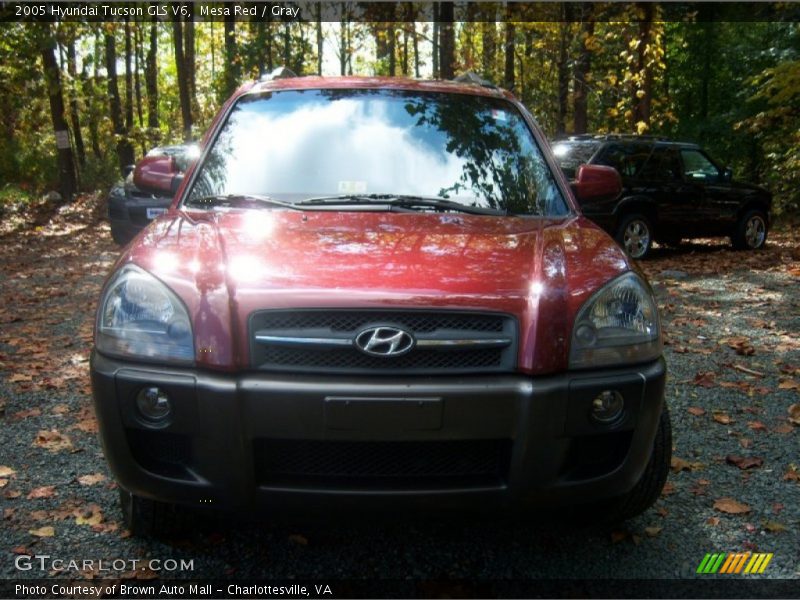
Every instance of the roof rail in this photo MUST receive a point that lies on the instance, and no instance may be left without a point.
(278, 73)
(473, 78)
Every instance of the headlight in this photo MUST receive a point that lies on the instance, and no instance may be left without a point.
(141, 317)
(617, 325)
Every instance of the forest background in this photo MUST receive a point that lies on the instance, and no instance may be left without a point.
(704, 72)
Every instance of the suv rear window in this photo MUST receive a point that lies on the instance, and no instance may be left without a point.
(295, 145)
(627, 158)
(571, 155)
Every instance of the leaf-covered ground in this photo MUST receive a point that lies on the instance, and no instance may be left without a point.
(731, 320)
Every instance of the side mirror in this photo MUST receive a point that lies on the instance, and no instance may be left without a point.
(155, 174)
(597, 182)
(727, 174)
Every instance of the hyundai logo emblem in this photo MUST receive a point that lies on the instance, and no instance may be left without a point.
(384, 341)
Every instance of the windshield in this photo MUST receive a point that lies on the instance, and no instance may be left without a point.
(292, 146)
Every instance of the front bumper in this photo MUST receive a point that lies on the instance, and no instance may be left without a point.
(128, 212)
(231, 438)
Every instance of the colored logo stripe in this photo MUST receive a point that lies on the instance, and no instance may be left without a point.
(734, 563)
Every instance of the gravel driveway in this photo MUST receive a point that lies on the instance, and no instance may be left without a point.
(731, 321)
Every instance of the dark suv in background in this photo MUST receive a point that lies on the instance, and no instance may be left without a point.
(671, 191)
(147, 190)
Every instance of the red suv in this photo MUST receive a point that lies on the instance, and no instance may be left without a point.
(371, 289)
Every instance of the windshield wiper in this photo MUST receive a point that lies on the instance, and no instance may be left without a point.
(400, 201)
(237, 200)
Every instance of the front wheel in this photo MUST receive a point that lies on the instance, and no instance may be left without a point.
(635, 235)
(751, 231)
(648, 489)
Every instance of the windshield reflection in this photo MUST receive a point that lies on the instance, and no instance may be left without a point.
(294, 145)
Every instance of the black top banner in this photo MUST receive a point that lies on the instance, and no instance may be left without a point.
(309, 12)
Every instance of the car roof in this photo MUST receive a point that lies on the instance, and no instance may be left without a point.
(620, 137)
(314, 82)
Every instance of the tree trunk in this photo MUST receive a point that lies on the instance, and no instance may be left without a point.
(447, 49)
(183, 82)
(124, 148)
(488, 30)
(151, 77)
(582, 69)
(66, 162)
(94, 133)
(509, 56)
(435, 41)
(287, 45)
(189, 62)
(137, 80)
(77, 135)
(128, 78)
(563, 79)
(231, 59)
(644, 93)
(416, 50)
(392, 48)
(320, 39)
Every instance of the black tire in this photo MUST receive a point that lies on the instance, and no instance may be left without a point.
(147, 518)
(671, 242)
(751, 231)
(635, 235)
(648, 489)
(119, 238)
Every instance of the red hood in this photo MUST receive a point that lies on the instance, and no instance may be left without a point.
(226, 265)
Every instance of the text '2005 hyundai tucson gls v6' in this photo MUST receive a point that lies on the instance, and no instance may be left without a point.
(374, 289)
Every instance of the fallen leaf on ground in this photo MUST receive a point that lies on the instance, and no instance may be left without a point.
(744, 462)
(789, 384)
(774, 526)
(296, 538)
(19, 377)
(679, 464)
(757, 426)
(792, 474)
(745, 443)
(783, 428)
(741, 345)
(47, 531)
(652, 531)
(91, 515)
(46, 491)
(669, 488)
(713, 521)
(53, 440)
(6, 471)
(705, 379)
(794, 414)
(722, 418)
(92, 479)
(21, 550)
(731, 506)
(696, 411)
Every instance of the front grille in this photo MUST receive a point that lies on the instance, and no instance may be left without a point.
(381, 465)
(347, 358)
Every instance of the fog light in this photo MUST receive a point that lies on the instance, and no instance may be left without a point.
(607, 407)
(153, 404)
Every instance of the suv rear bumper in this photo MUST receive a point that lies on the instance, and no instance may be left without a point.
(230, 440)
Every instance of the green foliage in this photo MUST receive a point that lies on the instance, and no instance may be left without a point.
(732, 86)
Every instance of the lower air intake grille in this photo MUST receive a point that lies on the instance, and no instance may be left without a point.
(381, 465)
